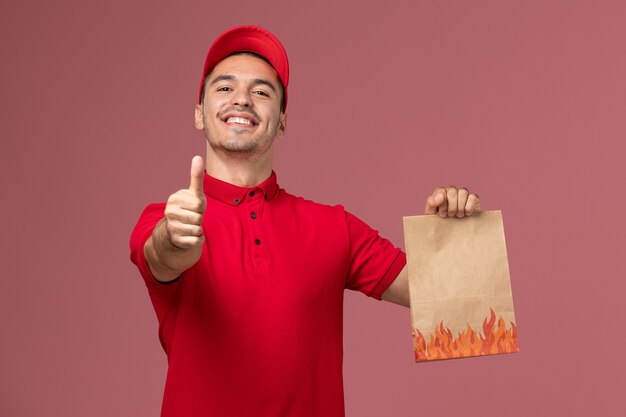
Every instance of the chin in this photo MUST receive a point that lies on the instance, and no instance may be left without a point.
(240, 147)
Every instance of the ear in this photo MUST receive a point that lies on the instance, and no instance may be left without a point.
(282, 125)
(198, 120)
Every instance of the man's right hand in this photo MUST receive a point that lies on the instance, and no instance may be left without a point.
(177, 240)
(184, 211)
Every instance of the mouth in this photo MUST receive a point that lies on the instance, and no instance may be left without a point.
(239, 120)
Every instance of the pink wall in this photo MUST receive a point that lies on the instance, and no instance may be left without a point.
(524, 102)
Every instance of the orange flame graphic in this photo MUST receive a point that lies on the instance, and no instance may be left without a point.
(442, 345)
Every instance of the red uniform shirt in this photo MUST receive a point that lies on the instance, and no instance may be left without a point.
(254, 328)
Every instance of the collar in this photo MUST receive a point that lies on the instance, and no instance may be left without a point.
(233, 194)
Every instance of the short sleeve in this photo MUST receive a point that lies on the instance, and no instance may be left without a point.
(375, 262)
(151, 215)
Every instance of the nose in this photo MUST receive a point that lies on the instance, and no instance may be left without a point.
(242, 98)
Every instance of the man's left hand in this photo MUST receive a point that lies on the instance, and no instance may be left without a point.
(452, 202)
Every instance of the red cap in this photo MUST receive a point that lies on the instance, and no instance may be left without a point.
(248, 39)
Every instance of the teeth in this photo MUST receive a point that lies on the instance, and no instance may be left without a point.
(238, 120)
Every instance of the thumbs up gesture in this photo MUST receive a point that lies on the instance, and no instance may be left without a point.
(177, 240)
(184, 211)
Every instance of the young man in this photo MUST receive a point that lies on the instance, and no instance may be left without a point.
(246, 279)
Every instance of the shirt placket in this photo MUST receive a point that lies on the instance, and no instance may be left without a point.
(255, 204)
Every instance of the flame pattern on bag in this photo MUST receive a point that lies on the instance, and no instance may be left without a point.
(442, 345)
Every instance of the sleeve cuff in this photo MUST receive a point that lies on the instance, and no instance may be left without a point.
(392, 273)
(144, 268)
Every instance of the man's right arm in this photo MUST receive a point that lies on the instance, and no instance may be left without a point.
(177, 240)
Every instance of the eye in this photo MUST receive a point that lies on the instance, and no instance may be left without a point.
(224, 88)
(261, 93)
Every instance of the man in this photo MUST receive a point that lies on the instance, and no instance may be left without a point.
(247, 280)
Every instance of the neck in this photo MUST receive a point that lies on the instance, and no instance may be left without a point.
(238, 169)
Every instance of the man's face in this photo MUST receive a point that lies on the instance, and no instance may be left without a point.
(241, 107)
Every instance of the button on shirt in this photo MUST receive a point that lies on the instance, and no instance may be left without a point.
(254, 328)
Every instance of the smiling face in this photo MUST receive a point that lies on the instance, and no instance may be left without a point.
(240, 113)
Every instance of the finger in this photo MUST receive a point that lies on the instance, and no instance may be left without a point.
(197, 176)
(462, 196)
(181, 229)
(186, 242)
(177, 228)
(443, 206)
(185, 200)
(188, 217)
(473, 204)
(434, 201)
(452, 194)
(184, 217)
(193, 203)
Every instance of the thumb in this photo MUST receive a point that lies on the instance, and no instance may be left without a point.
(197, 176)
(435, 201)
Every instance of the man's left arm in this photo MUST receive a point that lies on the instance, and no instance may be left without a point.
(445, 202)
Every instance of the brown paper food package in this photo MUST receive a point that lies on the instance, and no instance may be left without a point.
(461, 301)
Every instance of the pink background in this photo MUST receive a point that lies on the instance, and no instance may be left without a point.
(523, 102)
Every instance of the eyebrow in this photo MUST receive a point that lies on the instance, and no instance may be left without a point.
(256, 81)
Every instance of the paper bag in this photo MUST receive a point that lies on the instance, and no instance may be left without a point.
(461, 301)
